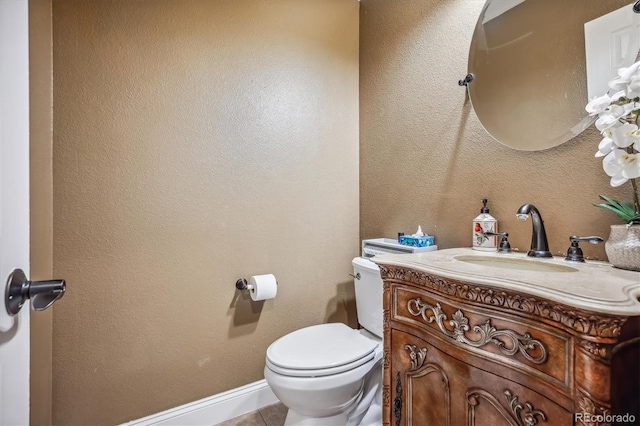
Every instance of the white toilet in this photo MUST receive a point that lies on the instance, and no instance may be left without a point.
(331, 374)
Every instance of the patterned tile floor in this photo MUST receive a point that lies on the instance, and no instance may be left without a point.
(272, 415)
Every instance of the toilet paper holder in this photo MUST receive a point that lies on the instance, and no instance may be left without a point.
(260, 287)
(242, 284)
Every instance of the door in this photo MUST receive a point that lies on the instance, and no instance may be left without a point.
(613, 36)
(14, 206)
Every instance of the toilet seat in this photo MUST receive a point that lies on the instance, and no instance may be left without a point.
(321, 372)
(320, 350)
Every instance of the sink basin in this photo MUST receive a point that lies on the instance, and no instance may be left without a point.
(517, 264)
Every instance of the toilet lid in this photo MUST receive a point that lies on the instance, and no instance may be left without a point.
(318, 347)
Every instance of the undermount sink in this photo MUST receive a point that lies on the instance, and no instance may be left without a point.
(517, 264)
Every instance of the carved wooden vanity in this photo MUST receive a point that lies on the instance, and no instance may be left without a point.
(512, 348)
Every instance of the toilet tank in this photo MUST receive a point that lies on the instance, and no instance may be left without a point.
(368, 294)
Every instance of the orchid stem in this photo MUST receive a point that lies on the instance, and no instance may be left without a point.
(636, 202)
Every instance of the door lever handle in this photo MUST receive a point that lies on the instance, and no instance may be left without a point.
(42, 293)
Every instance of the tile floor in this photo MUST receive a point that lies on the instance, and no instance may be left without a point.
(272, 415)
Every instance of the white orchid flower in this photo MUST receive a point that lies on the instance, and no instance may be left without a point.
(611, 117)
(621, 166)
(618, 84)
(625, 75)
(630, 164)
(620, 145)
(619, 94)
(605, 147)
(628, 73)
(606, 121)
(618, 111)
(598, 105)
(625, 135)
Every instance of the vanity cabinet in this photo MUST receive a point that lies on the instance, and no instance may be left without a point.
(460, 353)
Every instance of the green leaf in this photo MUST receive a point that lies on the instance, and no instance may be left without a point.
(610, 201)
(627, 208)
(617, 211)
(623, 209)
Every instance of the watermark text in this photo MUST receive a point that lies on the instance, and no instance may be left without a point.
(589, 418)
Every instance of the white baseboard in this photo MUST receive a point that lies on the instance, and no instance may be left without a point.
(214, 409)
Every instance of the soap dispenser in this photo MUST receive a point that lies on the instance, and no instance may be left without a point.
(481, 224)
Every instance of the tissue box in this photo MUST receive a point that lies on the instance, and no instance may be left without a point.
(408, 240)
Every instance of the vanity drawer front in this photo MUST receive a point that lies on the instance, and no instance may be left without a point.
(532, 348)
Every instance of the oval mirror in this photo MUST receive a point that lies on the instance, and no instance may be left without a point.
(536, 63)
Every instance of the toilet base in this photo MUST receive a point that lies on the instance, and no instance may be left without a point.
(295, 419)
(372, 417)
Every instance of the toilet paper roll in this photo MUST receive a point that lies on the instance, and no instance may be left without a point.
(263, 287)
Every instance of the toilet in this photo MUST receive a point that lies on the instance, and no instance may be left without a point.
(331, 374)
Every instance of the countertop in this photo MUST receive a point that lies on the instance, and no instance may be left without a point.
(593, 285)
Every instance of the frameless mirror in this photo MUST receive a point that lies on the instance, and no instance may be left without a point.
(534, 60)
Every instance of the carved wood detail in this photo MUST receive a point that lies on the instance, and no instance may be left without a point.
(473, 400)
(386, 395)
(417, 356)
(588, 405)
(600, 351)
(586, 323)
(488, 334)
(521, 414)
(524, 414)
(385, 319)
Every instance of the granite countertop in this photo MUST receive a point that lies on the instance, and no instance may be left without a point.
(593, 285)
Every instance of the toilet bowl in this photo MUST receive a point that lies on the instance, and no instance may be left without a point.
(331, 374)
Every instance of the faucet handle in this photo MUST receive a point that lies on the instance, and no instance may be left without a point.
(504, 246)
(574, 253)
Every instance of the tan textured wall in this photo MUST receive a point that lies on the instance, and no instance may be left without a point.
(196, 142)
(41, 194)
(425, 159)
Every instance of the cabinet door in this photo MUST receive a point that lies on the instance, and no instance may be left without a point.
(434, 388)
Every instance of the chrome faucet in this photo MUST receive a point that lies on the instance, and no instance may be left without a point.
(539, 244)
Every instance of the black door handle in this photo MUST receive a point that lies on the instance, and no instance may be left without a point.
(42, 293)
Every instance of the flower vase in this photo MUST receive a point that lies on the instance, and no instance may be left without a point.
(623, 247)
